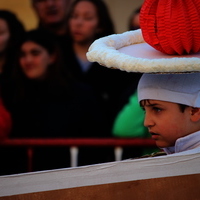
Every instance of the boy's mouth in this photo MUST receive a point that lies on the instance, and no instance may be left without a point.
(154, 135)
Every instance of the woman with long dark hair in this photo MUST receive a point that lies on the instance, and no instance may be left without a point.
(89, 20)
(48, 103)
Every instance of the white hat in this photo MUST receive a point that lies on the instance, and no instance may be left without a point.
(176, 88)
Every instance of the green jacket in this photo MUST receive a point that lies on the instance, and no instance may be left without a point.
(129, 121)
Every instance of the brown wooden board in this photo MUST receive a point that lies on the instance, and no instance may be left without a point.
(186, 187)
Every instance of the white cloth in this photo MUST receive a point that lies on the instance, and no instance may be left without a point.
(186, 143)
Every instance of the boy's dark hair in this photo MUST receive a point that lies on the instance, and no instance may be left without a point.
(181, 106)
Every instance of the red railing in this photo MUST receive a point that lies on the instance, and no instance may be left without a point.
(75, 143)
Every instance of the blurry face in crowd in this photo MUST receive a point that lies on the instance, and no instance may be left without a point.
(136, 21)
(51, 12)
(34, 60)
(4, 35)
(83, 22)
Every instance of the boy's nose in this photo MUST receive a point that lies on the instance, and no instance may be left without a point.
(148, 121)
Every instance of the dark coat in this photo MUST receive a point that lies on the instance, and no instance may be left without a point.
(51, 111)
(111, 85)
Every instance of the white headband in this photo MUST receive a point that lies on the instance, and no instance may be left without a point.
(176, 88)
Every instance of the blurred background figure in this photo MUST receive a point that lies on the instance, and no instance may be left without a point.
(52, 15)
(89, 20)
(11, 34)
(134, 20)
(47, 103)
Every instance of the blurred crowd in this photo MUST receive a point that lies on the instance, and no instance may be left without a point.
(48, 88)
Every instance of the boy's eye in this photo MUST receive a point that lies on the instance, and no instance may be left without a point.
(157, 109)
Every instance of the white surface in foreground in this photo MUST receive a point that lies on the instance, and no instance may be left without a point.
(121, 171)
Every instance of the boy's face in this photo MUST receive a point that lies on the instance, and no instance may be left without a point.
(167, 123)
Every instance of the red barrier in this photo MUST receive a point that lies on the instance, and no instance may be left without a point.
(79, 142)
(116, 143)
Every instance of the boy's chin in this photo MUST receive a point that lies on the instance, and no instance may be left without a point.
(162, 145)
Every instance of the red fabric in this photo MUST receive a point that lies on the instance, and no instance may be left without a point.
(5, 121)
(171, 26)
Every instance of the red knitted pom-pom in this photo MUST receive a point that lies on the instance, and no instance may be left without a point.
(171, 26)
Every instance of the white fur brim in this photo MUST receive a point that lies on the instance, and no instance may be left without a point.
(129, 52)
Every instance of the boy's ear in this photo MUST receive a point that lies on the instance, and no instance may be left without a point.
(195, 114)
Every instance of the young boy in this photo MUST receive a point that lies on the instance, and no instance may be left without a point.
(172, 110)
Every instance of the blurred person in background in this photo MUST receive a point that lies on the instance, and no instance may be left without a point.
(52, 17)
(89, 20)
(47, 103)
(134, 20)
(11, 34)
